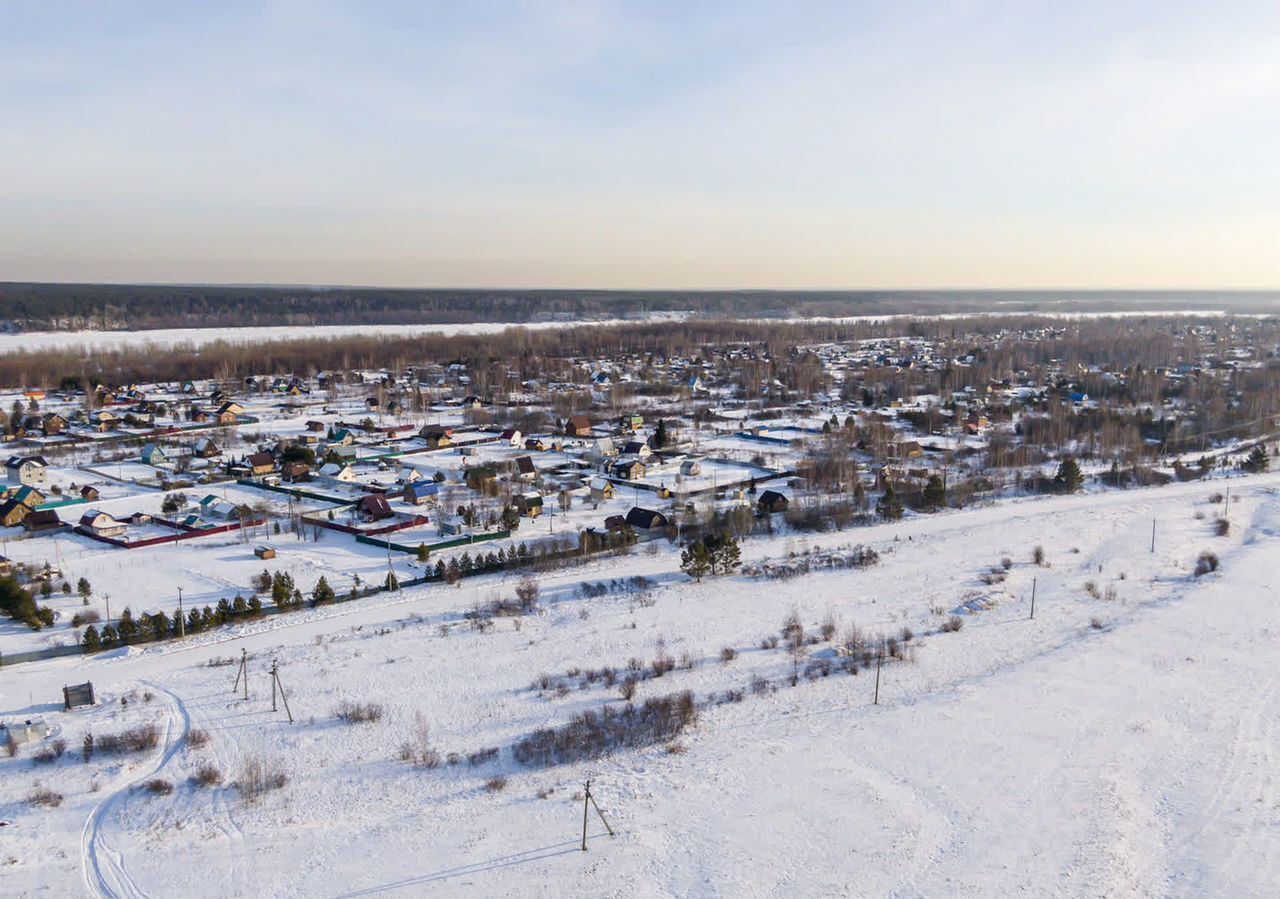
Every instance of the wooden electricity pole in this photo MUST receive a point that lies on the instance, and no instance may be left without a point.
(182, 619)
(588, 798)
(1153, 535)
(242, 674)
(1033, 599)
(276, 684)
(879, 660)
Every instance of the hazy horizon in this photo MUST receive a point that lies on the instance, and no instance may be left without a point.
(753, 146)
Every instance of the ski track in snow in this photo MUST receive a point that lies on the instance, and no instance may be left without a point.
(105, 874)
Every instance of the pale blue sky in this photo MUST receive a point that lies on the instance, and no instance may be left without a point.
(743, 144)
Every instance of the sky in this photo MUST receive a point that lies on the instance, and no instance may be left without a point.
(653, 144)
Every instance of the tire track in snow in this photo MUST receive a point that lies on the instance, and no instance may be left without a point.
(101, 864)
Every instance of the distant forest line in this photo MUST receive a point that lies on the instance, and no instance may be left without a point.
(567, 353)
(113, 307)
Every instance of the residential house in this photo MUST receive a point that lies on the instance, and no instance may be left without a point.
(46, 520)
(29, 497)
(13, 512)
(452, 526)
(339, 472)
(100, 524)
(212, 507)
(30, 470)
(529, 504)
(525, 469)
(771, 501)
(153, 454)
(421, 494)
(646, 519)
(630, 424)
(601, 489)
(578, 426)
(436, 437)
(374, 507)
(638, 448)
(88, 493)
(628, 469)
(261, 463)
(205, 448)
(54, 424)
(512, 436)
(296, 472)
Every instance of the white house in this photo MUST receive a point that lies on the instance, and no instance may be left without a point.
(341, 473)
(100, 524)
(31, 471)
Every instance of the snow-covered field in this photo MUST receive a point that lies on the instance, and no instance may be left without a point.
(169, 337)
(1121, 744)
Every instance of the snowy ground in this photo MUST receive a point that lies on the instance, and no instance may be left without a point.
(170, 337)
(1119, 745)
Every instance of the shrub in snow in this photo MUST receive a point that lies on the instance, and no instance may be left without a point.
(45, 797)
(358, 712)
(1207, 562)
(207, 775)
(136, 739)
(595, 734)
(258, 777)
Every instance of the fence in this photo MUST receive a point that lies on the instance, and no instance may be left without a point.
(465, 540)
(184, 532)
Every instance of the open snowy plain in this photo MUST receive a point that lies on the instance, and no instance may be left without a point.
(1121, 743)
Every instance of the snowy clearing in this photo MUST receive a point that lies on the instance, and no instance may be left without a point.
(1121, 743)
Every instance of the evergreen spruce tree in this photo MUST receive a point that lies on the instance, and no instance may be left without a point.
(127, 628)
(90, 639)
(1068, 479)
(323, 593)
(889, 507)
(696, 561)
(1258, 461)
(935, 494)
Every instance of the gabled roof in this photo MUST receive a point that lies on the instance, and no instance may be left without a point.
(645, 518)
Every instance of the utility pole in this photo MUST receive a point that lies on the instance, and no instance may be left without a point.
(242, 674)
(1153, 535)
(1226, 508)
(1033, 599)
(276, 683)
(182, 620)
(588, 798)
(879, 660)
